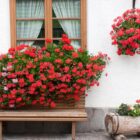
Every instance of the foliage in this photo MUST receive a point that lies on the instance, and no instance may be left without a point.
(126, 32)
(30, 76)
(127, 110)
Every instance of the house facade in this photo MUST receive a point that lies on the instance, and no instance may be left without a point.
(120, 81)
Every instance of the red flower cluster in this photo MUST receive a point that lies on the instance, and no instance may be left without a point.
(126, 32)
(30, 76)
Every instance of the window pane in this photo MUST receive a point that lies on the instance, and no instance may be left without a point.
(30, 8)
(39, 43)
(69, 27)
(57, 29)
(76, 43)
(36, 43)
(66, 8)
(30, 29)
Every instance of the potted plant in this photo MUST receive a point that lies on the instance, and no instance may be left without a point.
(31, 76)
(126, 120)
(125, 33)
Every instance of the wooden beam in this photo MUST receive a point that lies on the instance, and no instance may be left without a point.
(1, 137)
(49, 19)
(70, 38)
(73, 130)
(29, 19)
(43, 119)
(45, 14)
(84, 24)
(66, 18)
(30, 39)
(13, 22)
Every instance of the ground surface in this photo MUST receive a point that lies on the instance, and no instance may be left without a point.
(81, 136)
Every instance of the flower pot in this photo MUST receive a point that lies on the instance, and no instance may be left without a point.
(116, 124)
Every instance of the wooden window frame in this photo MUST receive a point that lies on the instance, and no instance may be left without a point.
(48, 18)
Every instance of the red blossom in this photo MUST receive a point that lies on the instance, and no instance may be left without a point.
(52, 73)
(48, 40)
(125, 32)
(74, 54)
(68, 61)
(30, 77)
(57, 50)
(67, 47)
(59, 61)
(21, 82)
(65, 39)
(138, 101)
(52, 104)
(19, 99)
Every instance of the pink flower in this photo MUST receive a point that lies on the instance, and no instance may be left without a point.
(15, 80)
(11, 105)
(4, 74)
(106, 74)
(5, 88)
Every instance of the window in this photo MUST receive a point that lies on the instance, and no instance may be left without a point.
(34, 20)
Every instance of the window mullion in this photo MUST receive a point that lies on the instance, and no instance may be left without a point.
(83, 24)
(48, 18)
(46, 21)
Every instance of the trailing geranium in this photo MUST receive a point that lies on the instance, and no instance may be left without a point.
(126, 32)
(30, 75)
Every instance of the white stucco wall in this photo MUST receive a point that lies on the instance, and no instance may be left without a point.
(4, 26)
(123, 81)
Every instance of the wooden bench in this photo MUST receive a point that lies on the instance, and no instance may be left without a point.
(75, 112)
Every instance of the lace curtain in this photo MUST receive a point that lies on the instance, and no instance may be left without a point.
(29, 29)
(69, 9)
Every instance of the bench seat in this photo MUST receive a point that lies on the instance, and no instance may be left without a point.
(66, 115)
(44, 115)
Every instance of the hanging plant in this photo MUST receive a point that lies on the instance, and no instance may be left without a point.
(30, 76)
(125, 33)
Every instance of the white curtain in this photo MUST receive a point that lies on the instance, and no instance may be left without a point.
(69, 9)
(29, 29)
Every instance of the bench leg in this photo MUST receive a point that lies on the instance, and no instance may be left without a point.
(0, 130)
(73, 130)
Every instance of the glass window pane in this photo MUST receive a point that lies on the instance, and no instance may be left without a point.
(57, 29)
(56, 42)
(36, 43)
(66, 8)
(39, 43)
(30, 29)
(30, 8)
(76, 43)
(69, 27)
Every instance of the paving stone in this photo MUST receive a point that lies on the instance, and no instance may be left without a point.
(79, 136)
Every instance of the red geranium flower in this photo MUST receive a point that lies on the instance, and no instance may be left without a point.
(125, 32)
